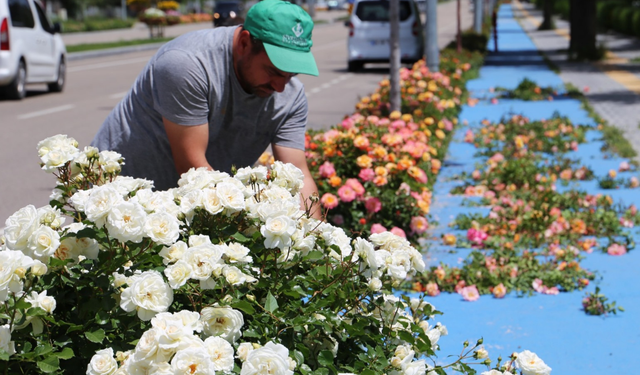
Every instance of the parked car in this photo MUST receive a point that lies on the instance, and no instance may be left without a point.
(31, 49)
(369, 33)
(228, 13)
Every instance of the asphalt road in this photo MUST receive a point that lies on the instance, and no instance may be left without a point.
(96, 85)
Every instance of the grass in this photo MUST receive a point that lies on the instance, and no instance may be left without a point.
(123, 43)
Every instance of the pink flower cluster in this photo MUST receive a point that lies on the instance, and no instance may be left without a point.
(477, 236)
(539, 287)
(616, 249)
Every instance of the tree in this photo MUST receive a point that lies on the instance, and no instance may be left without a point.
(394, 46)
(547, 13)
(583, 29)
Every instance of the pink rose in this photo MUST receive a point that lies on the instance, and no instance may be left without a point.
(398, 232)
(419, 224)
(327, 169)
(367, 174)
(377, 228)
(346, 193)
(329, 201)
(470, 293)
(347, 123)
(432, 289)
(537, 285)
(616, 249)
(476, 236)
(499, 291)
(468, 136)
(355, 185)
(373, 205)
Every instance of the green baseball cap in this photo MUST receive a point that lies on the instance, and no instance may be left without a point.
(285, 30)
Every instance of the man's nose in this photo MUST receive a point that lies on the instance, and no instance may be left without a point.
(278, 83)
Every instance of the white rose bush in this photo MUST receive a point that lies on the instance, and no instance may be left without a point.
(221, 275)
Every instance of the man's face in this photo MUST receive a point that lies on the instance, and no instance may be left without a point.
(258, 76)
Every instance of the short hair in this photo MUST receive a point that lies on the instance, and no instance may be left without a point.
(257, 46)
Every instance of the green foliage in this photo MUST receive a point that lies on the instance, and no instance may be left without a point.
(96, 24)
(596, 304)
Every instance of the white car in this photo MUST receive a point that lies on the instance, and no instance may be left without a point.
(31, 49)
(369, 33)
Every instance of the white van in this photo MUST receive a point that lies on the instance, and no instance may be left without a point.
(31, 49)
(369, 33)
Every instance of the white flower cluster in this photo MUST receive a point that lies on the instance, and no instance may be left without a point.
(174, 345)
(56, 151)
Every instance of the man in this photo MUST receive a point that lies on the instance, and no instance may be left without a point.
(217, 98)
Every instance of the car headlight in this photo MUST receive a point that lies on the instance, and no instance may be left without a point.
(216, 15)
(232, 14)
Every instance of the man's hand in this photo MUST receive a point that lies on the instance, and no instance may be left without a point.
(297, 158)
(188, 145)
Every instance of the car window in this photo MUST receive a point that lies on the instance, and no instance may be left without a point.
(43, 19)
(226, 7)
(378, 11)
(21, 15)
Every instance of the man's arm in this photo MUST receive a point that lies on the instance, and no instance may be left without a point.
(297, 158)
(188, 145)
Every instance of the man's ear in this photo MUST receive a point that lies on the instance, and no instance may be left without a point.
(244, 42)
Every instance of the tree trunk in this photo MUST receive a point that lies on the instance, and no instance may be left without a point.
(394, 46)
(459, 31)
(547, 15)
(582, 17)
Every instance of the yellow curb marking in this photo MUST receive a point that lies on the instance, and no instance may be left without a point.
(627, 79)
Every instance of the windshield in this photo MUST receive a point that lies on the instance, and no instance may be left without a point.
(226, 7)
(378, 11)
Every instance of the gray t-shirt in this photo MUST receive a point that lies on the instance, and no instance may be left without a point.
(191, 81)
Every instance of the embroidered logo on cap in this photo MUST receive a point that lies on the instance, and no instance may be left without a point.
(297, 30)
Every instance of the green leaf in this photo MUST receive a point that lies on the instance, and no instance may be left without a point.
(4, 356)
(240, 237)
(325, 358)
(244, 306)
(43, 349)
(271, 304)
(95, 336)
(66, 353)
(49, 364)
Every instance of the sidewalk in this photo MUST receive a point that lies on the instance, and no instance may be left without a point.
(141, 31)
(613, 85)
(568, 340)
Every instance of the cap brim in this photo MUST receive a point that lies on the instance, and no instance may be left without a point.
(291, 61)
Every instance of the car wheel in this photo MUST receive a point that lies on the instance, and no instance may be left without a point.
(16, 89)
(355, 66)
(58, 85)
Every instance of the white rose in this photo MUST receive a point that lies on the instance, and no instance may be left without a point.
(38, 268)
(211, 201)
(203, 260)
(287, 176)
(5, 340)
(481, 353)
(243, 351)
(50, 216)
(110, 161)
(220, 352)
(19, 226)
(162, 228)
(434, 336)
(415, 368)
(100, 202)
(172, 334)
(222, 321)
(147, 348)
(13, 268)
(237, 253)
(492, 372)
(277, 232)
(389, 241)
(192, 360)
(126, 222)
(79, 199)
(43, 243)
(199, 239)
(375, 284)
(442, 328)
(126, 185)
(102, 363)
(189, 202)
(234, 276)
(231, 197)
(174, 252)
(270, 359)
(158, 201)
(56, 151)
(178, 273)
(256, 175)
(41, 300)
(365, 250)
(148, 294)
(530, 364)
